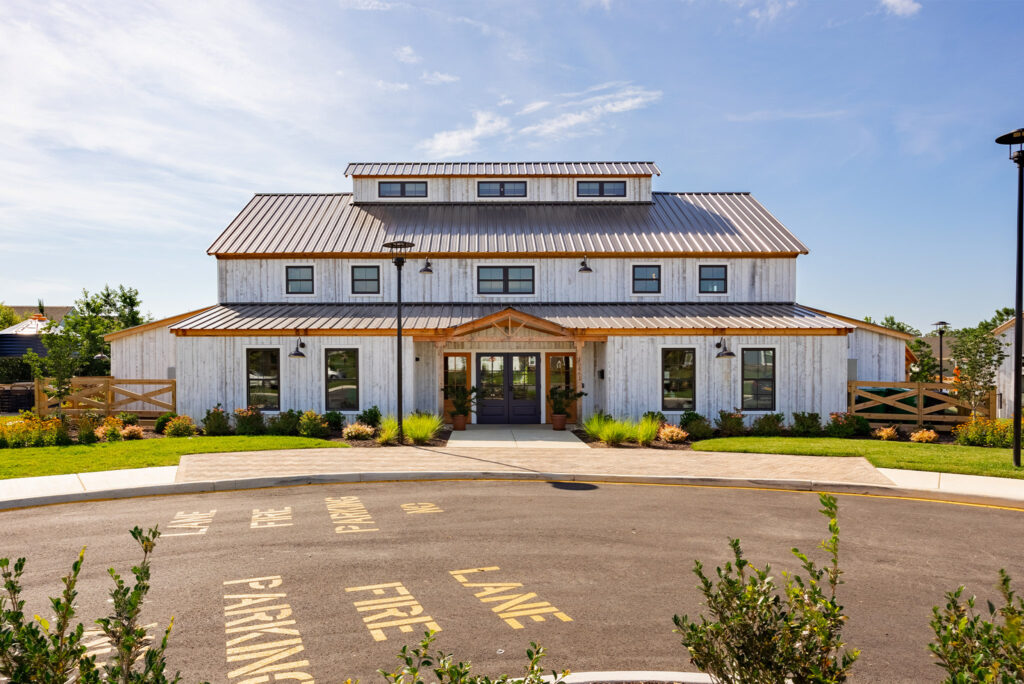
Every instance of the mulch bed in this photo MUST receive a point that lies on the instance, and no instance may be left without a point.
(656, 444)
(439, 441)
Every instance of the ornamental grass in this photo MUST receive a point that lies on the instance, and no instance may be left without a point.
(422, 427)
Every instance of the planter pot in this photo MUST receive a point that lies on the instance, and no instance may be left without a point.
(458, 422)
(558, 421)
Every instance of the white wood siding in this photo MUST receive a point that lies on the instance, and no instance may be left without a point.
(538, 189)
(810, 374)
(879, 357)
(1004, 378)
(555, 280)
(146, 355)
(427, 385)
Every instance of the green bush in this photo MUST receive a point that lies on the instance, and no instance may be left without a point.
(87, 424)
(284, 423)
(129, 418)
(646, 430)
(216, 422)
(687, 417)
(313, 425)
(985, 432)
(768, 425)
(370, 416)
(387, 433)
(730, 424)
(805, 424)
(846, 425)
(698, 428)
(14, 369)
(656, 415)
(755, 633)
(971, 649)
(181, 426)
(592, 425)
(422, 427)
(615, 432)
(162, 421)
(335, 421)
(111, 432)
(249, 421)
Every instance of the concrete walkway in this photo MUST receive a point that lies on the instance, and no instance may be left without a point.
(514, 437)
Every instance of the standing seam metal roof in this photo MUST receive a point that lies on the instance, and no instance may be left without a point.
(381, 169)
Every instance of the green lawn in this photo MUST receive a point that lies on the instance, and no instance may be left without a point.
(943, 458)
(137, 454)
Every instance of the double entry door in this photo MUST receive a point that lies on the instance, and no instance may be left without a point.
(509, 388)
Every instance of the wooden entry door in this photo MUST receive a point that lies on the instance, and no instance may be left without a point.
(560, 371)
(455, 373)
(509, 388)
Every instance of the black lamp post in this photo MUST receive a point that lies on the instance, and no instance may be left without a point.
(1015, 139)
(399, 246)
(940, 327)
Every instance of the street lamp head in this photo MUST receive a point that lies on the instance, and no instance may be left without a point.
(399, 245)
(1013, 138)
(940, 325)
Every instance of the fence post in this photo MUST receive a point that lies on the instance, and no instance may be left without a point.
(174, 395)
(108, 395)
(40, 399)
(920, 405)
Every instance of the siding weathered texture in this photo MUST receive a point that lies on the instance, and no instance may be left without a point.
(1004, 377)
(149, 355)
(879, 357)
(465, 190)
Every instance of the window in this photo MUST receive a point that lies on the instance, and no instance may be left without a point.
(504, 280)
(501, 189)
(298, 279)
(712, 280)
(601, 188)
(678, 379)
(366, 280)
(402, 189)
(758, 379)
(646, 279)
(342, 381)
(263, 377)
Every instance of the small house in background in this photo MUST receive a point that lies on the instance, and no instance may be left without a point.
(52, 313)
(20, 337)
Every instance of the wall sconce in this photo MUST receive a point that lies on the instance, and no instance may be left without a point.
(725, 353)
(427, 269)
(297, 354)
(584, 267)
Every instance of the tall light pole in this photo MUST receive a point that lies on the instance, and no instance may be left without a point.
(399, 246)
(1016, 139)
(940, 327)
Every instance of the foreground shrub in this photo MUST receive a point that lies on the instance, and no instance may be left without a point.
(387, 433)
(131, 432)
(805, 424)
(181, 426)
(646, 431)
(592, 425)
(846, 425)
(615, 432)
(370, 416)
(730, 424)
(313, 425)
(984, 432)
(698, 428)
(249, 421)
(284, 423)
(672, 434)
(422, 427)
(216, 422)
(924, 436)
(358, 431)
(87, 424)
(970, 649)
(756, 634)
(768, 425)
(109, 430)
(655, 415)
(335, 420)
(887, 434)
(29, 430)
(128, 418)
(162, 421)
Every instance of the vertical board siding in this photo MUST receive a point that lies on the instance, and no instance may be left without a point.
(426, 377)
(879, 357)
(538, 189)
(1004, 378)
(146, 355)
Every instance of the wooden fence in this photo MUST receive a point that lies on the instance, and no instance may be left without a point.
(147, 398)
(937, 404)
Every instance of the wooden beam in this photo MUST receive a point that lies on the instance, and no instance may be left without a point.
(579, 254)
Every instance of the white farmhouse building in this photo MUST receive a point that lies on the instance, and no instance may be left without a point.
(522, 276)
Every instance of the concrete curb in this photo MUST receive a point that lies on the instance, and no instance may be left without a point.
(404, 476)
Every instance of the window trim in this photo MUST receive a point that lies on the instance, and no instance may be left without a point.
(602, 193)
(661, 376)
(632, 279)
(531, 293)
(280, 369)
(359, 369)
(403, 195)
(502, 195)
(713, 294)
(312, 279)
(352, 281)
(775, 377)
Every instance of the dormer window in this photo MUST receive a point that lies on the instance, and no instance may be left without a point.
(402, 189)
(713, 280)
(646, 279)
(298, 280)
(601, 188)
(501, 189)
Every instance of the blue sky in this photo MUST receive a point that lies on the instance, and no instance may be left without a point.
(132, 133)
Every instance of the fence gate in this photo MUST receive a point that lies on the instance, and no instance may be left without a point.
(934, 403)
(147, 398)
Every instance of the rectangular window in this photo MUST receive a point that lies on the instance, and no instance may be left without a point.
(504, 280)
(713, 280)
(758, 380)
(646, 279)
(263, 378)
(601, 188)
(342, 381)
(298, 279)
(501, 189)
(365, 280)
(678, 379)
(402, 189)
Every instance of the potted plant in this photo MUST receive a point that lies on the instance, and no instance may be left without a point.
(560, 398)
(462, 399)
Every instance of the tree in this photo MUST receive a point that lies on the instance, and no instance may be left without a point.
(927, 365)
(95, 315)
(61, 363)
(1002, 315)
(977, 355)
(891, 323)
(8, 317)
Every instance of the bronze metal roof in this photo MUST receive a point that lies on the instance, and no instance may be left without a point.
(291, 318)
(502, 169)
(672, 223)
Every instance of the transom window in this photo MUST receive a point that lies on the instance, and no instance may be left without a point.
(263, 379)
(298, 279)
(342, 382)
(601, 188)
(758, 379)
(366, 280)
(678, 379)
(402, 189)
(713, 280)
(504, 279)
(646, 279)
(501, 189)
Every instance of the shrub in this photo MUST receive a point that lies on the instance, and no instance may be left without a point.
(131, 432)
(110, 429)
(768, 425)
(970, 649)
(699, 428)
(335, 420)
(313, 425)
(730, 424)
(284, 423)
(846, 425)
(87, 424)
(61, 434)
(687, 417)
(924, 436)
(162, 421)
(181, 426)
(216, 422)
(592, 425)
(128, 418)
(672, 434)
(805, 424)
(249, 421)
(357, 431)
(387, 433)
(370, 416)
(615, 432)
(422, 427)
(887, 434)
(29, 430)
(647, 430)
(655, 415)
(984, 432)
(757, 634)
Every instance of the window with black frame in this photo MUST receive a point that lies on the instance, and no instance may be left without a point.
(600, 188)
(678, 379)
(646, 279)
(365, 280)
(342, 381)
(504, 280)
(501, 189)
(298, 279)
(758, 380)
(402, 189)
(713, 280)
(263, 379)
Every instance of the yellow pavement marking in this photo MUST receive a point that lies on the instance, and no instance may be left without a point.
(512, 606)
(271, 517)
(253, 630)
(196, 522)
(98, 644)
(349, 515)
(385, 611)
(414, 508)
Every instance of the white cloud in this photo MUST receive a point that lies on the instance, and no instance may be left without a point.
(901, 8)
(369, 5)
(504, 101)
(407, 54)
(462, 141)
(437, 78)
(598, 107)
(786, 115)
(391, 87)
(533, 107)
